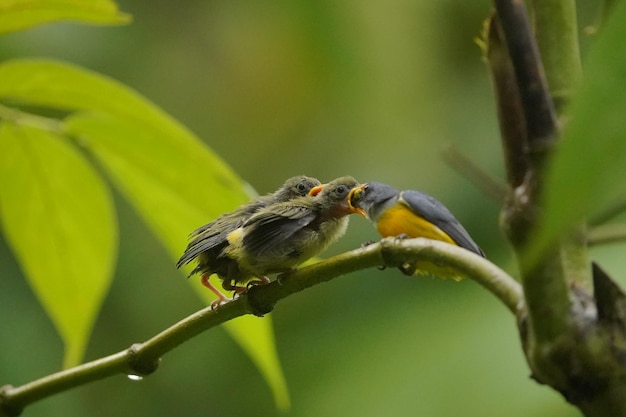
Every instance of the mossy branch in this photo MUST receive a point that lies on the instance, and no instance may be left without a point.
(142, 359)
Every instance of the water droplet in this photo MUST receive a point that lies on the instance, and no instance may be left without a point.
(134, 377)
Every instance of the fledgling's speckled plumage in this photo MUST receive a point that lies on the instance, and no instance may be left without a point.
(209, 241)
(282, 236)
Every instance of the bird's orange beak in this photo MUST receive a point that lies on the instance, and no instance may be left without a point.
(316, 190)
(353, 197)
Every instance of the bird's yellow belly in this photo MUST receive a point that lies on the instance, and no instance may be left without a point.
(402, 220)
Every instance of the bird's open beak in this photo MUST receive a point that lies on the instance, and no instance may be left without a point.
(353, 198)
(316, 190)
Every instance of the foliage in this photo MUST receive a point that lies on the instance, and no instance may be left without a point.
(443, 330)
(586, 175)
(64, 230)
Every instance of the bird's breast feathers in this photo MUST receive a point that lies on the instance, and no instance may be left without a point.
(400, 219)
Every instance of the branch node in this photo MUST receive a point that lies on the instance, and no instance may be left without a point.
(260, 306)
(138, 364)
(6, 409)
(391, 253)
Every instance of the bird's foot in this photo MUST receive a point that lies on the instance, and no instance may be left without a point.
(408, 269)
(367, 243)
(221, 298)
(263, 280)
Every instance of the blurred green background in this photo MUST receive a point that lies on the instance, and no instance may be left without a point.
(375, 89)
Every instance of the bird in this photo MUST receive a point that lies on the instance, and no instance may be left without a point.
(209, 241)
(279, 237)
(411, 213)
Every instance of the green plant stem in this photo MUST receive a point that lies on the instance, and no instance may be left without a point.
(544, 280)
(143, 358)
(556, 30)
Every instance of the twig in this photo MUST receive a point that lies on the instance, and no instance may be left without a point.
(143, 358)
(475, 174)
(608, 233)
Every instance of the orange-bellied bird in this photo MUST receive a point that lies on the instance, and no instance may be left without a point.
(411, 213)
(209, 241)
(282, 236)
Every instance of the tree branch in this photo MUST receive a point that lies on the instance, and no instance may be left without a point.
(534, 94)
(143, 358)
(508, 102)
(527, 142)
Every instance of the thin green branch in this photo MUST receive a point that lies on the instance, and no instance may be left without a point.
(607, 233)
(485, 182)
(143, 358)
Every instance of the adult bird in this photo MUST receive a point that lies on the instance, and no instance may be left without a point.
(411, 213)
(282, 236)
(209, 241)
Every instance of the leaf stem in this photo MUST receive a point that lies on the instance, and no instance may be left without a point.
(143, 359)
(20, 117)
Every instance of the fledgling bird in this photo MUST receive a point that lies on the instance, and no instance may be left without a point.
(411, 213)
(209, 241)
(282, 236)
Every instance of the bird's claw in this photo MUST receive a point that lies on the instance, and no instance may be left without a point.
(217, 303)
(260, 281)
(407, 269)
(367, 243)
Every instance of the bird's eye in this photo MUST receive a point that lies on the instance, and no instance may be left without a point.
(341, 189)
(301, 187)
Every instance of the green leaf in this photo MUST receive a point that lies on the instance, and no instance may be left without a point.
(59, 220)
(18, 15)
(155, 160)
(247, 331)
(59, 85)
(160, 174)
(172, 179)
(168, 179)
(587, 173)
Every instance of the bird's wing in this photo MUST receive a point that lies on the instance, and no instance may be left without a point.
(211, 236)
(271, 227)
(436, 213)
